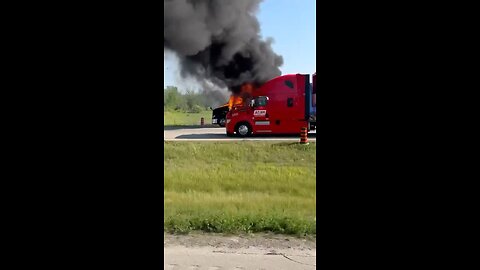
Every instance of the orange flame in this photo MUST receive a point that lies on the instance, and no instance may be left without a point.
(246, 91)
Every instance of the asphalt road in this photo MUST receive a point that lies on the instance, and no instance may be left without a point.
(236, 252)
(210, 258)
(218, 134)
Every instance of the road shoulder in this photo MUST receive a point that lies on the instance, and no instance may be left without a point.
(263, 251)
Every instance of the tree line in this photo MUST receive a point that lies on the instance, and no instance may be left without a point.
(190, 101)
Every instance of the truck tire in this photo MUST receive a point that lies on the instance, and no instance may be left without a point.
(243, 129)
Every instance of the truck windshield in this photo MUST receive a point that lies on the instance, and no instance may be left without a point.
(261, 101)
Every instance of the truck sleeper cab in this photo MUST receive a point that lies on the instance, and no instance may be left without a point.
(282, 105)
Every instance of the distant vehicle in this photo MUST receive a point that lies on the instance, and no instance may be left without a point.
(219, 115)
(282, 105)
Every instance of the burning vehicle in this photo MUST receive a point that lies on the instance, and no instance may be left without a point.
(282, 105)
(219, 44)
(240, 98)
(219, 115)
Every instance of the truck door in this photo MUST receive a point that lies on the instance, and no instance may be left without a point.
(261, 121)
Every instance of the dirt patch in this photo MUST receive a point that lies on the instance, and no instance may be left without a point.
(264, 240)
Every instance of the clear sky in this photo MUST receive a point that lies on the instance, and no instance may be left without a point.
(292, 26)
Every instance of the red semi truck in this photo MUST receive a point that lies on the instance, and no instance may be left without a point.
(282, 105)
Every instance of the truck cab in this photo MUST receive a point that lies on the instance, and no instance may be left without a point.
(282, 105)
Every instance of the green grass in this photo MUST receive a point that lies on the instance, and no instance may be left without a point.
(175, 118)
(233, 187)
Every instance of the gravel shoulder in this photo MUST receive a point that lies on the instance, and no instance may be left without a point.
(264, 240)
(261, 251)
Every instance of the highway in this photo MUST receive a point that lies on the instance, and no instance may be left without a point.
(218, 134)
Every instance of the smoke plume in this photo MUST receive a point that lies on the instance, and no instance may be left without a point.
(219, 41)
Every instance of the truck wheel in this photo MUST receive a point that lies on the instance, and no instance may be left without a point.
(243, 129)
(222, 122)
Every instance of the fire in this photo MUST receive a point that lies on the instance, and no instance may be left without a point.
(246, 91)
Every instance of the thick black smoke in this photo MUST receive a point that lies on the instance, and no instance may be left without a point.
(219, 41)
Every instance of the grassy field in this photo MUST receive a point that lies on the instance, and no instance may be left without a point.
(240, 187)
(174, 118)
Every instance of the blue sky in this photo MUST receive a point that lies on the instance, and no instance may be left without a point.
(292, 26)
